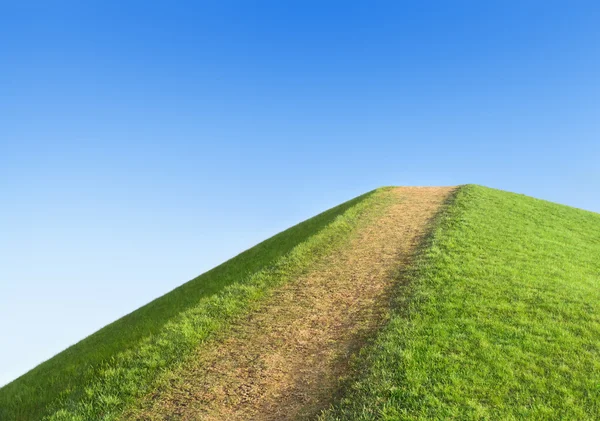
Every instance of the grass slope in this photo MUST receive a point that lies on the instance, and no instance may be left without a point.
(500, 319)
(98, 376)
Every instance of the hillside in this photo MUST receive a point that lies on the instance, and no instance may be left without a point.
(401, 304)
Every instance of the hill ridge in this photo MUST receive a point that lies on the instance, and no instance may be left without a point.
(496, 316)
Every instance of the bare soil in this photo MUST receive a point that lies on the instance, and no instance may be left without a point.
(286, 360)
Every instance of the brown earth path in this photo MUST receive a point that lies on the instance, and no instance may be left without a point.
(285, 361)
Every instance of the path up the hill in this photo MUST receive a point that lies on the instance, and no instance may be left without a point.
(285, 361)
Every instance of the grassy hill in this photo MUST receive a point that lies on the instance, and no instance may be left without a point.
(496, 317)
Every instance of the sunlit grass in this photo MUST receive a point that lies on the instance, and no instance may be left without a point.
(498, 319)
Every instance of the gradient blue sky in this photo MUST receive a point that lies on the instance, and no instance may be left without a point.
(142, 143)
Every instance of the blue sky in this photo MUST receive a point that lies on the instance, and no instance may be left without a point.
(142, 143)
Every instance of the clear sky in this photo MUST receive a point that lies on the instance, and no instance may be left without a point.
(142, 143)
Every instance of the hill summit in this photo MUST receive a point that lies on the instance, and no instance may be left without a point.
(406, 303)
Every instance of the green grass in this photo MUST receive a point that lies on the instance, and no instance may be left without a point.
(500, 320)
(96, 378)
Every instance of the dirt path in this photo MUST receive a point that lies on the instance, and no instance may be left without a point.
(284, 362)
